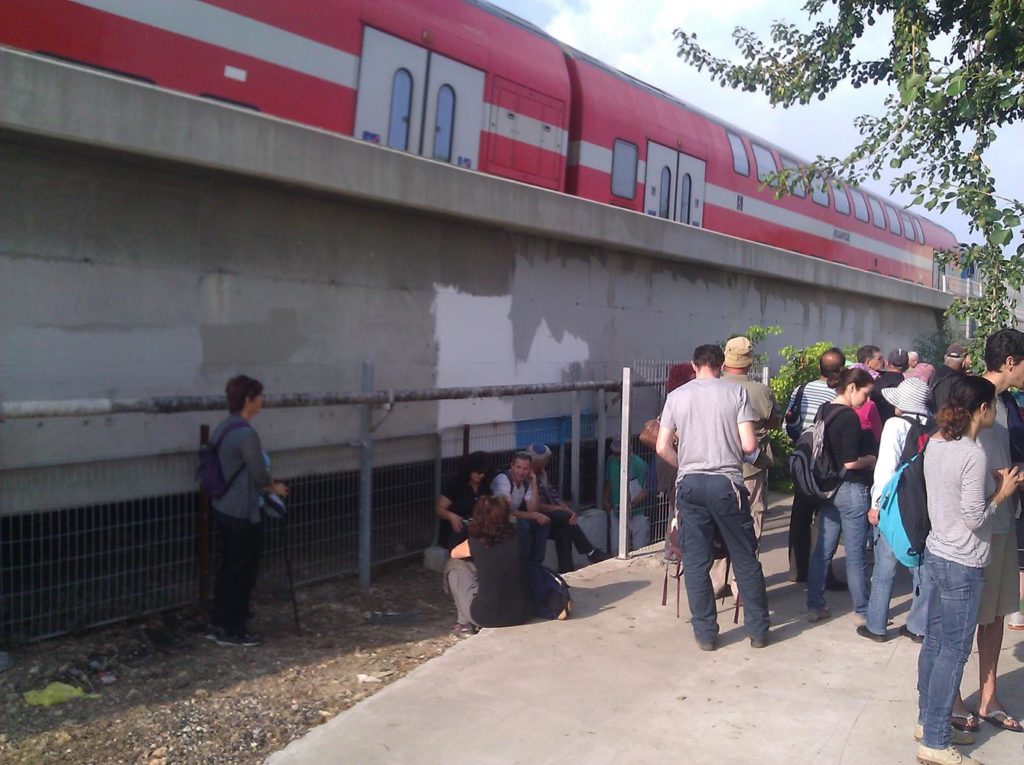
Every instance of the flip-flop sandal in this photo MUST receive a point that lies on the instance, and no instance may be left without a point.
(968, 722)
(1001, 720)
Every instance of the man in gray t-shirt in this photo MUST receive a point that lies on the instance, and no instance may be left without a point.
(715, 426)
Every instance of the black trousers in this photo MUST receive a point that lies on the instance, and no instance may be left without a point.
(800, 521)
(565, 537)
(240, 544)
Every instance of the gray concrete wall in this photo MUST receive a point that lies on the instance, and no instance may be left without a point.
(153, 243)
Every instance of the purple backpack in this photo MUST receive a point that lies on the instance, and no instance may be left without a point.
(208, 470)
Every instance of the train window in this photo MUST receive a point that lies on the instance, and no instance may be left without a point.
(765, 164)
(842, 201)
(860, 207)
(876, 212)
(908, 230)
(401, 107)
(818, 192)
(894, 221)
(740, 163)
(624, 157)
(684, 198)
(445, 122)
(664, 194)
(800, 189)
(919, 230)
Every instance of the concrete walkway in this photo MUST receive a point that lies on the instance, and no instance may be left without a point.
(623, 682)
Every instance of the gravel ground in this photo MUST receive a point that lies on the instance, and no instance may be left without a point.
(167, 696)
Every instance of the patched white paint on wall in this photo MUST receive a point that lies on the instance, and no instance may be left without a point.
(474, 336)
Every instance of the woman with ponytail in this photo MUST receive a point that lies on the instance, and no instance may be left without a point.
(852, 450)
(962, 498)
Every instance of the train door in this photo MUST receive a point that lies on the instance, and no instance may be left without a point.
(661, 184)
(454, 112)
(417, 101)
(690, 190)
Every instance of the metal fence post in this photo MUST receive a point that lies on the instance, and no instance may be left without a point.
(574, 479)
(602, 426)
(366, 480)
(203, 530)
(624, 466)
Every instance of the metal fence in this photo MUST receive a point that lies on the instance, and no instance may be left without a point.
(66, 567)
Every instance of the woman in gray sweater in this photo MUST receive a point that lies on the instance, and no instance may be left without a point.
(959, 507)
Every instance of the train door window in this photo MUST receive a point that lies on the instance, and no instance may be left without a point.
(841, 200)
(685, 191)
(444, 123)
(765, 162)
(918, 230)
(624, 161)
(894, 221)
(740, 163)
(860, 207)
(401, 109)
(799, 189)
(908, 229)
(818, 192)
(665, 194)
(876, 212)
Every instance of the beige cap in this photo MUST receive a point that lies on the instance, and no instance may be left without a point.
(739, 353)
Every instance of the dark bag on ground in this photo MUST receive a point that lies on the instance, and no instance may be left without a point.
(552, 598)
(816, 477)
(209, 472)
(903, 504)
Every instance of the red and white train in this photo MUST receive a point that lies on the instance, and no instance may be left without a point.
(465, 82)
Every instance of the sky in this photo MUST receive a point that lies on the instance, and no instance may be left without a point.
(636, 37)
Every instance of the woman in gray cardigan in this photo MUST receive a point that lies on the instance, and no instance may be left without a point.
(960, 506)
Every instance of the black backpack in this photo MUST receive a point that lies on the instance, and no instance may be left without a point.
(793, 416)
(815, 474)
(551, 596)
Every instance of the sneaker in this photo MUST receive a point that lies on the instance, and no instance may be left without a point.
(818, 616)
(214, 633)
(249, 639)
(1015, 621)
(905, 632)
(759, 641)
(707, 645)
(597, 555)
(464, 630)
(864, 632)
(948, 756)
(959, 737)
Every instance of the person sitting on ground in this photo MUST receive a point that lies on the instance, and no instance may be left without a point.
(956, 554)
(455, 504)
(518, 484)
(563, 529)
(500, 595)
(846, 512)
(639, 524)
(910, 398)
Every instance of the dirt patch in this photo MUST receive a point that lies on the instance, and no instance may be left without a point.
(165, 695)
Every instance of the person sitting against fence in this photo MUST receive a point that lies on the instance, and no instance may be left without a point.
(238, 516)
(487, 573)
(912, 421)
(518, 484)
(454, 506)
(564, 528)
(846, 512)
(962, 510)
(637, 471)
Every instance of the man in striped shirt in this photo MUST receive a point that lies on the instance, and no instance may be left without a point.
(812, 395)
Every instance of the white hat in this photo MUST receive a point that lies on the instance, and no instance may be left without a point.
(910, 396)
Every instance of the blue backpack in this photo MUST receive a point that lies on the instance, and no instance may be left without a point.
(903, 505)
(209, 473)
(551, 596)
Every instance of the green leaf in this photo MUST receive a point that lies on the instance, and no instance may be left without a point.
(1000, 236)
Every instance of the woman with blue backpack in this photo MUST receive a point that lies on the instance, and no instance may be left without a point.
(962, 499)
(902, 437)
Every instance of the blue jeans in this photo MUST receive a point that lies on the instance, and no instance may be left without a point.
(882, 578)
(846, 512)
(533, 540)
(705, 501)
(952, 618)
